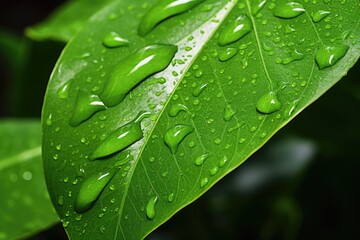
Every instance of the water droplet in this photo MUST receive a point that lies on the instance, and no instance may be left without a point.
(91, 189)
(134, 69)
(121, 138)
(162, 10)
(49, 120)
(201, 159)
(235, 30)
(327, 56)
(123, 158)
(198, 90)
(175, 135)
(113, 40)
(214, 170)
(60, 200)
(289, 10)
(204, 182)
(294, 56)
(176, 109)
(319, 15)
(102, 229)
(227, 54)
(291, 108)
(86, 106)
(171, 197)
(268, 103)
(223, 161)
(229, 113)
(150, 208)
(63, 91)
(256, 6)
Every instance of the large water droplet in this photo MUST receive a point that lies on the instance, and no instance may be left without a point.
(201, 159)
(268, 103)
(163, 10)
(175, 135)
(176, 109)
(121, 138)
(319, 15)
(123, 158)
(91, 189)
(113, 40)
(150, 208)
(235, 30)
(227, 54)
(256, 6)
(327, 56)
(86, 106)
(229, 113)
(289, 10)
(134, 69)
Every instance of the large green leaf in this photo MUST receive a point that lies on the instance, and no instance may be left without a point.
(66, 21)
(25, 204)
(242, 71)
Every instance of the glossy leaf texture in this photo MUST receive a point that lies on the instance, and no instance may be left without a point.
(25, 204)
(241, 71)
(66, 21)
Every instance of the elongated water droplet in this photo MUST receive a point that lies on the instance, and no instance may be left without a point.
(150, 208)
(204, 182)
(327, 56)
(91, 189)
(198, 90)
(123, 158)
(235, 30)
(85, 107)
(113, 40)
(227, 54)
(223, 161)
(134, 69)
(175, 135)
(176, 109)
(256, 6)
(268, 103)
(171, 197)
(291, 109)
(63, 91)
(162, 10)
(201, 159)
(229, 113)
(294, 56)
(121, 138)
(319, 15)
(289, 10)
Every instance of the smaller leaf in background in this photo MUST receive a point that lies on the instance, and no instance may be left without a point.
(66, 21)
(24, 204)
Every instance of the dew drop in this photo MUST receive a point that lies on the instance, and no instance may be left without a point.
(198, 90)
(199, 161)
(150, 208)
(114, 40)
(123, 158)
(171, 197)
(227, 54)
(289, 10)
(256, 6)
(268, 103)
(134, 69)
(235, 30)
(291, 109)
(294, 56)
(229, 113)
(91, 189)
(121, 138)
(204, 182)
(60, 200)
(163, 10)
(49, 120)
(214, 170)
(175, 135)
(319, 15)
(86, 106)
(223, 161)
(63, 91)
(327, 56)
(176, 109)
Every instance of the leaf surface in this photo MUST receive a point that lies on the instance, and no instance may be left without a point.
(243, 69)
(66, 21)
(25, 204)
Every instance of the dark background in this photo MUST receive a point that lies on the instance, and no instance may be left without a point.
(316, 197)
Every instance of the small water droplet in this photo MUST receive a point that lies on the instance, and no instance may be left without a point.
(223, 161)
(319, 15)
(91, 189)
(86, 106)
(150, 208)
(176, 109)
(175, 135)
(121, 138)
(123, 158)
(256, 6)
(268, 103)
(164, 10)
(204, 182)
(49, 120)
(63, 91)
(229, 113)
(235, 30)
(60, 200)
(294, 56)
(327, 56)
(171, 197)
(198, 90)
(201, 159)
(227, 54)
(114, 40)
(214, 170)
(134, 69)
(289, 10)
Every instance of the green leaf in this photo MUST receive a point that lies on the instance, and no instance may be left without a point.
(66, 21)
(146, 144)
(25, 204)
